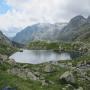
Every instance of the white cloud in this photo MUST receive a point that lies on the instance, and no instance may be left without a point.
(27, 12)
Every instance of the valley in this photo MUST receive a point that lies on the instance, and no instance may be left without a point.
(73, 74)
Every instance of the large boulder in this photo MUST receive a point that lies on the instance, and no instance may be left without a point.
(31, 76)
(49, 68)
(67, 77)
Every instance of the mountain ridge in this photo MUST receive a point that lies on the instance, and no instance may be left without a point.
(77, 26)
(40, 31)
(74, 30)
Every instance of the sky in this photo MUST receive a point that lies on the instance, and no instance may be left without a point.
(17, 14)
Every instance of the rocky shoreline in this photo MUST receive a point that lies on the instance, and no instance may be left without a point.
(68, 74)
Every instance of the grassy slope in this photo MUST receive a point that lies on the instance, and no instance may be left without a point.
(6, 49)
(14, 81)
(66, 46)
(21, 84)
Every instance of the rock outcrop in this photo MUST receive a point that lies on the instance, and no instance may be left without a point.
(23, 73)
(67, 77)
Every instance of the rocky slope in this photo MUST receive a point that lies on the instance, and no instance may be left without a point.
(63, 75)
(40, 31)
(4, 39)
(7, 46)
(77, 29)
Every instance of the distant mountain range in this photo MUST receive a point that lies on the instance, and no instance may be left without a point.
(40, 31)
(77, 29)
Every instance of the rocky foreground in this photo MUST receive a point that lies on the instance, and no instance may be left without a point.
(62, 75)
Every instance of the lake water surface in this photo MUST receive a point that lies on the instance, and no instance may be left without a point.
(39, 56)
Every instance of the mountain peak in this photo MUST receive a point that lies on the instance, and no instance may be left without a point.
(88, 19)
(79, 17)
(77, 21)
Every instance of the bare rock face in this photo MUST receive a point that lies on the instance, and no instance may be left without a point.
(67, 77)
(77, 21)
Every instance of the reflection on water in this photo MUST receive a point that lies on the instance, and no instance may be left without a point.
(38, 56)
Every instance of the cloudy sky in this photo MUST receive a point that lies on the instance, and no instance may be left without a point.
(17, 14)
